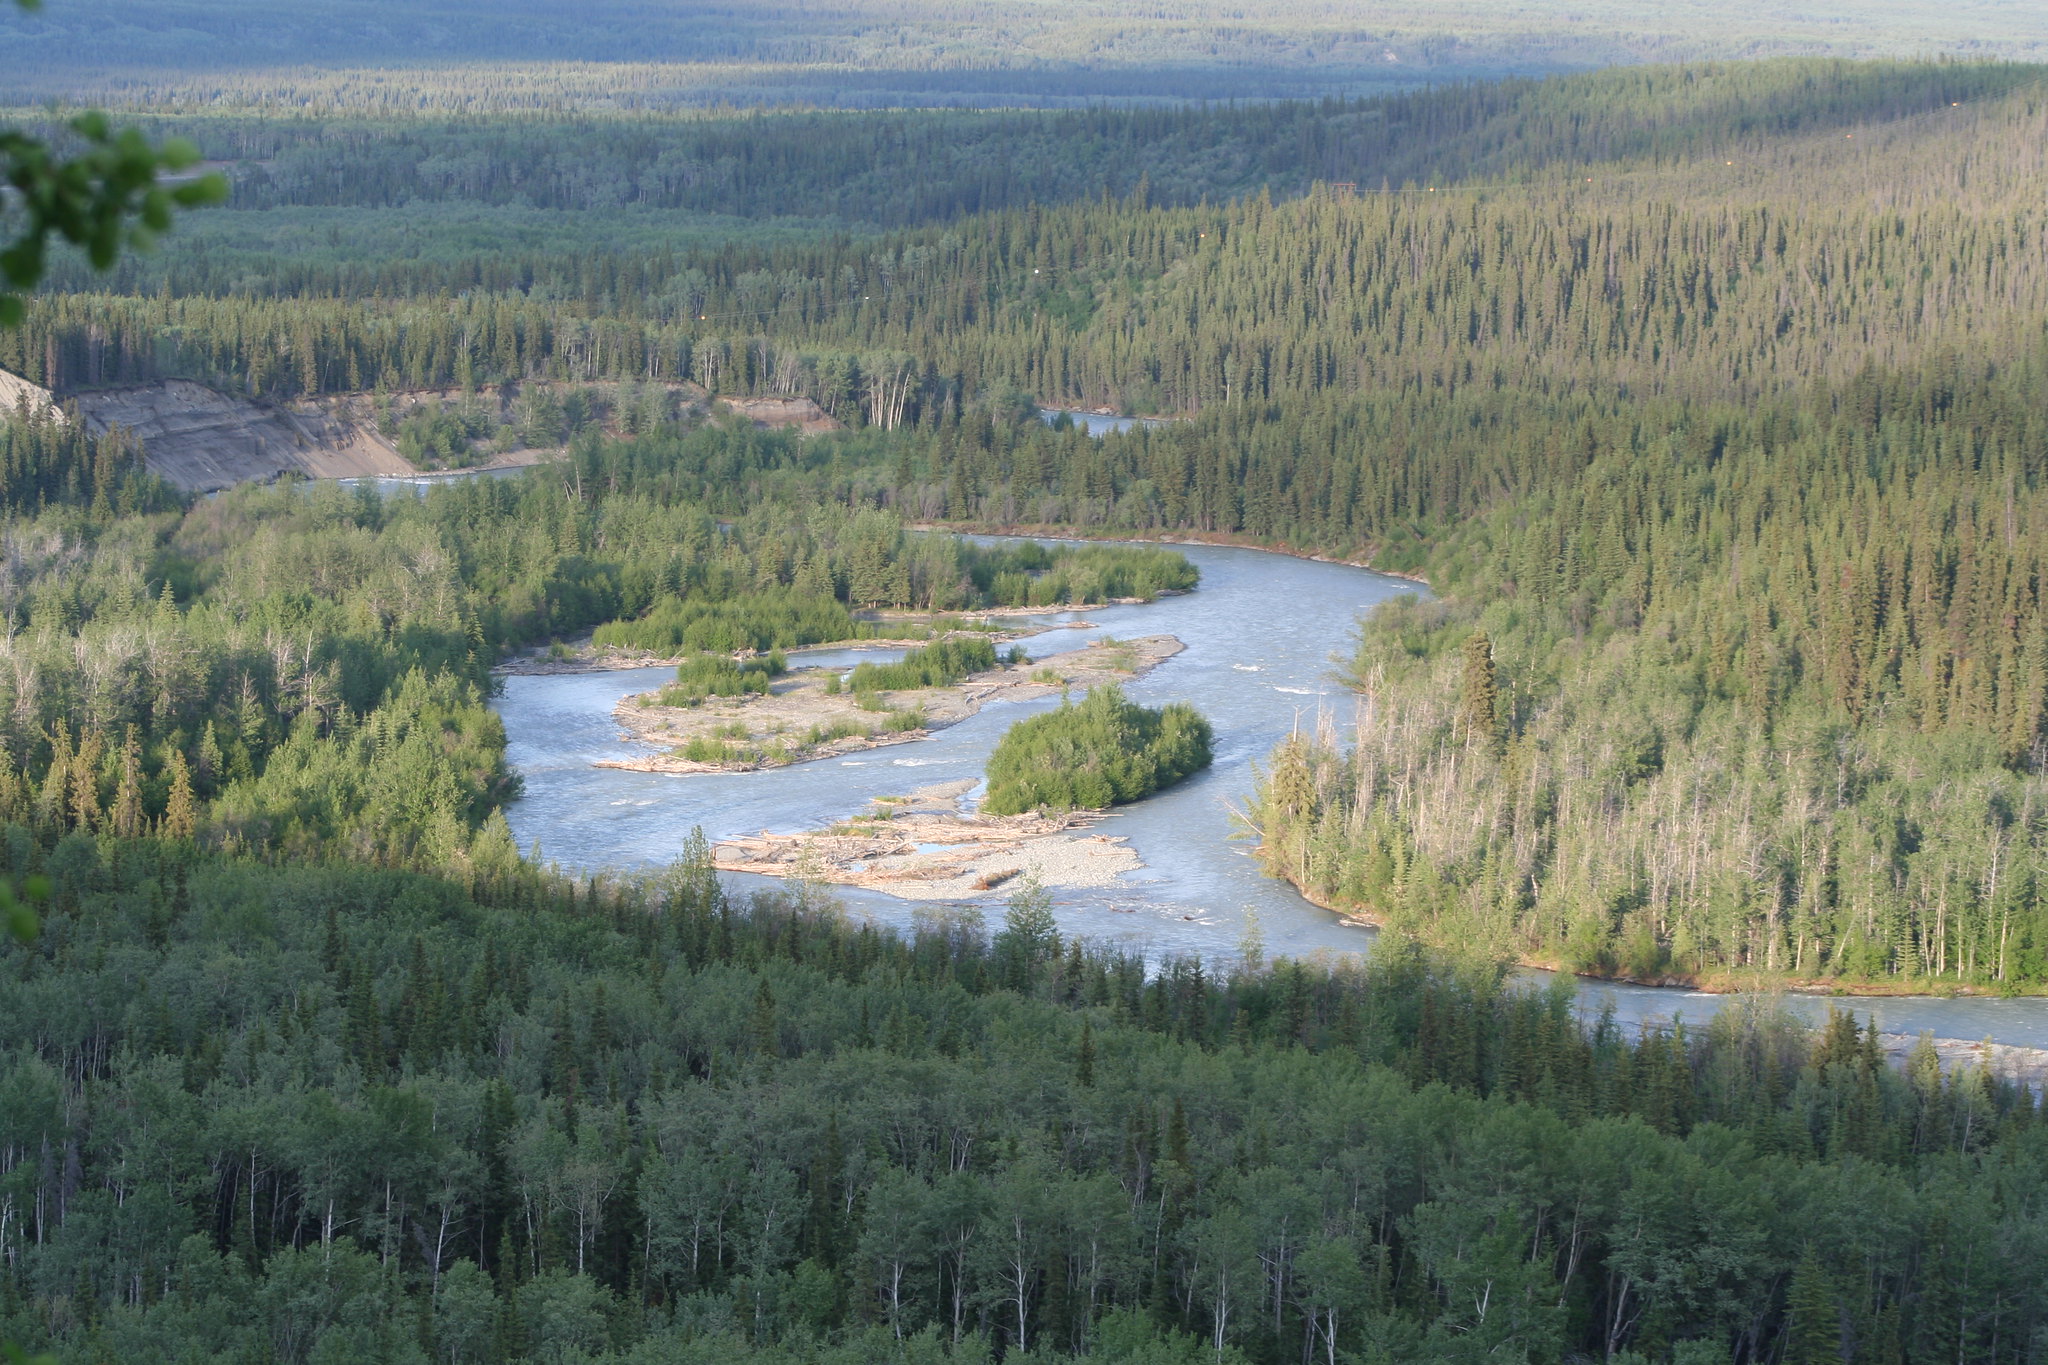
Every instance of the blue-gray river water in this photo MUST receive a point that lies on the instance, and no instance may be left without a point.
(1260, 632)
(1098, 423)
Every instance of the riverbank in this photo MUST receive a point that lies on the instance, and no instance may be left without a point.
(1198, 875)
(585, 656)
(1703, 983)
(2024, 1065)
(923, 847)
(805, 716)
(1214, 540)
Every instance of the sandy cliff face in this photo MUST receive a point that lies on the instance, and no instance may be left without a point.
(201, 440)
(15, 391)
(783, 412)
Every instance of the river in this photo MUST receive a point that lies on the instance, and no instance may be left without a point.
(1099, 423)
(1260, 632)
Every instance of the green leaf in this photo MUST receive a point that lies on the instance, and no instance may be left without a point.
(22, 264)
(177, 153)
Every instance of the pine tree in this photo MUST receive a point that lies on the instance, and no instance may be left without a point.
(181, 816)
(126, 816)
(50, 804)
(1813, 1325)
(212, 769)
(85, 781)
(763, 1026)
(1479, 694)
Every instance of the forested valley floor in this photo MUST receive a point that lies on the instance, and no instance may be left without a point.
(1710, 401)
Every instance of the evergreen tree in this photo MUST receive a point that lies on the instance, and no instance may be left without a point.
(1479, 694)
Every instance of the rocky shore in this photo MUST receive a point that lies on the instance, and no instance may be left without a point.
(924, 847)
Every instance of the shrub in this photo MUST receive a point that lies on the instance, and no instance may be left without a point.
(704, 749)
(717, 675)
(771, 618)
(936, 665)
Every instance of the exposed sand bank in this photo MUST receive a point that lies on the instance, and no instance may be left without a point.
(922, 847)
(2026, 1065)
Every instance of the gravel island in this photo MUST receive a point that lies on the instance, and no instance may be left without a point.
(803, 717)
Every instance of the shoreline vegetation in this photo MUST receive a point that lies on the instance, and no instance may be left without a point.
(2013, 1062)
(586, 657)
(921, 628)
(1717, 983)
(885, 569)
(809, 714)
(1214, 540)
(878, 580)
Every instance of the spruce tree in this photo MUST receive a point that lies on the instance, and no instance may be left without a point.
(1479, 695)
(1813, 1324)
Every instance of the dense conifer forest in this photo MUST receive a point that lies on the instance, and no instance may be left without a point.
(1708, 399)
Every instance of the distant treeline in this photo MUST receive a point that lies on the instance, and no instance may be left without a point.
(434, 55)
(908, 168)
(1675, 273)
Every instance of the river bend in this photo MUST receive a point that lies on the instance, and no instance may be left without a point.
(1260, 633)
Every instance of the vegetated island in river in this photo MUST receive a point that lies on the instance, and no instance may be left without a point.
(937, 587)
(727, 715)
(1044, 776)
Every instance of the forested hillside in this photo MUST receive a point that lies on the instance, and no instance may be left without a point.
(325, 1113)
(1717, 407)
(1710, 401)
(1755, 690)
(907, 167)
(305, 669)
(1781, 240)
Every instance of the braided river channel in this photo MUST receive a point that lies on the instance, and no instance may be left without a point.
(1261, 632)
